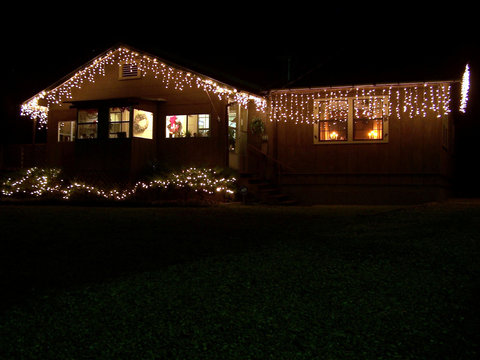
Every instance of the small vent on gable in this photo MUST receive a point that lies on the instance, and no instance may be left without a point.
(129, 71)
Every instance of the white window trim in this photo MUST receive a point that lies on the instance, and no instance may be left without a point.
(350, 140)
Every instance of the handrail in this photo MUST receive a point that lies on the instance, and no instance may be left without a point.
(250, 146)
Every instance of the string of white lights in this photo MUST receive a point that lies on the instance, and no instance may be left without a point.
(38, 182)
(287, 106)
(169, 76)
(305, 106)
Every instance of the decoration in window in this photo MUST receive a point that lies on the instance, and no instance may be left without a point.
(175, 125)
(142, 124)
(368, 119)
(180, 126)
(333, 117)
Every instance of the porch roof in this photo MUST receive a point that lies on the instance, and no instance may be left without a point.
(113, 102)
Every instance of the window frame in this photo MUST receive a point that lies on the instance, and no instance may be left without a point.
(187, 116)
(129, 121)
(96, 123)
(351, 122)
(104, 121)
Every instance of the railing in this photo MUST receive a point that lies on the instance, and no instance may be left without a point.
(267, 167)
(18, 156)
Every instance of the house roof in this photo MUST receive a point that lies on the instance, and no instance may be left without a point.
(171, 60)
(337, 66)
(344, 67)
(37, 106)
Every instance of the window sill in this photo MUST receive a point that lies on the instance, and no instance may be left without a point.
(361, 142)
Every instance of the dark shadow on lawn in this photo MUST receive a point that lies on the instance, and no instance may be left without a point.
(59, 247)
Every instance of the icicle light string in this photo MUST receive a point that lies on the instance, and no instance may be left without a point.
(170, 77)
(289, 106)
(410, 100)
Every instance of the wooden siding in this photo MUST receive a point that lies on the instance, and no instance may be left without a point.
(129, 158)
(413, 166)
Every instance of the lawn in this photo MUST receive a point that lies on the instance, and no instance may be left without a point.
(240, 282)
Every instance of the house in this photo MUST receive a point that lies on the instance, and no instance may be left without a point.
(127, 110)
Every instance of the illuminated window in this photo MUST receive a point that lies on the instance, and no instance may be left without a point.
(333, 120)
(232, 127)
(66, 131)
(181, 126)
(142, 124)
(200, 123)
(368, 119)
(87, 127)
(350, 119)
(119, 123)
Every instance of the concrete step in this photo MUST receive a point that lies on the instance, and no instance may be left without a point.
(263, 191)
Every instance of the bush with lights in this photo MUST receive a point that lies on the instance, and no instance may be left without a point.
(51, 184)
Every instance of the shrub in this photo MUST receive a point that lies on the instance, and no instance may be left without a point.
(187, 184)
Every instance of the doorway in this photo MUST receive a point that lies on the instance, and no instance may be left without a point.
(237, 136)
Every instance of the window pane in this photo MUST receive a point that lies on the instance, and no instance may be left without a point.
(368, 119)
(66, 131)
(87, 131)
(366, 129)
(120, 130)
(333, 130)
(142, 124)
(333, 116)
(87, 116)
(333, 110)
(175, 126)
(119, 114)
(203, 125)
(232, 127)
(119, 126)
(371, 108)
(192, 126)
(203, 121)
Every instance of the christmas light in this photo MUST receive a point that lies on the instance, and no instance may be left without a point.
(297, 106)
(465, 88)
(147, 65)
(308, 106)
(37, 182)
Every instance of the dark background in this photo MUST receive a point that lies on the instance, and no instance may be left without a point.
(254, 46)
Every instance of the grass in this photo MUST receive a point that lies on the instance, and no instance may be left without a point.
(240, 282)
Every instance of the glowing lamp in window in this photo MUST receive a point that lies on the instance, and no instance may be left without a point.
(333, 135)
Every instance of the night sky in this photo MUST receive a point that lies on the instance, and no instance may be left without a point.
(245, 46)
